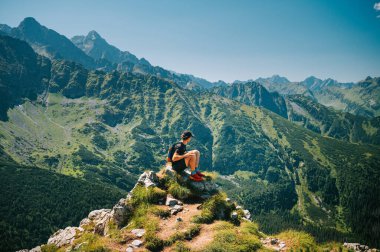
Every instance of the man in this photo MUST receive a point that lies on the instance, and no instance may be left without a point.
(183, 159)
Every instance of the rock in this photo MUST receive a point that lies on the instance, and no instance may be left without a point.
(148, 179)
(356, 246)
(139, 232)
(179, 208)
(239, 207)
(282, 245)
(77, 247)
(84, 222)
(100, 218)
(247, 214)
(129, 249)
(175, 209)
(234, 215)
(171, 201)
(205, 188)
(274, 241)
(179, 219)
(36, 249)
(170, 172)
(64, 236)
(228, 200)
(136, 243)
(98, 214)
(121, 212)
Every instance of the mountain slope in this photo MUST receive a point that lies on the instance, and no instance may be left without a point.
(49, 43)
(356, 98)
(21, 73)
(333, 123)
(93, 52)
(98, 48)
(252, 93)
(42, 202)
(307, 112)
(361, 99)
(284, 86)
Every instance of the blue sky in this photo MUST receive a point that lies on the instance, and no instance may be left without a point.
(226, 40)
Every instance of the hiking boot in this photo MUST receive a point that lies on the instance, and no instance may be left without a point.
(196, 178)
(200, 174)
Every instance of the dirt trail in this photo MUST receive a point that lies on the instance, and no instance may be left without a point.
(171, 226)
(205, 237)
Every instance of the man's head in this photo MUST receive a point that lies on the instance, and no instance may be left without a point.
(186, 136)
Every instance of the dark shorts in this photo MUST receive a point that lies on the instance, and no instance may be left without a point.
(179, 165)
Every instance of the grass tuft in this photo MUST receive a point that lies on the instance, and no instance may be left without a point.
(213, 208)
(231, 238)
(297, 239)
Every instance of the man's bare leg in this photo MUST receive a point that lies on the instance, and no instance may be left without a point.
(191, 161)
(197, 157)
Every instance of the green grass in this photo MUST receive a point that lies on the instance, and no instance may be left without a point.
(229, 238)
(298, 240)
(150, 195)
(91, 243)
(178, 191)
(213, 208)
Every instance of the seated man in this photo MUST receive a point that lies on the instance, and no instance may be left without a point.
(182, 158)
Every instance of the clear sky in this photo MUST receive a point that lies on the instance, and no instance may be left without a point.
(226, 40)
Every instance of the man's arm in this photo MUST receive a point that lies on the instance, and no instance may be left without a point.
(177, 157)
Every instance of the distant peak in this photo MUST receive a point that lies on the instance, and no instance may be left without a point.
(144, 61)
(29, 21)
(368, 78)
(93, 35)
(311, 78)
(278, 77)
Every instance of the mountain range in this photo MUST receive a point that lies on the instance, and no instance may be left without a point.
(85, 109)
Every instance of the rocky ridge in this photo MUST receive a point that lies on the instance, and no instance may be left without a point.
(100, 221)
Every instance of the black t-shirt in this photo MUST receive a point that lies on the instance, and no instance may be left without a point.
(180, 148)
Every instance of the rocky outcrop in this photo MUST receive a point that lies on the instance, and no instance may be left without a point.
(98, 221)
(273, 243)
(147, 179)
(65, 236)
(357, 247)
(203, 189)
(121, 212)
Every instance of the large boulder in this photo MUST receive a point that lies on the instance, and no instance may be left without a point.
(65, 236)
(36, 249)
(121, 212)
(204, 189)
(100, 218)
(147, 179)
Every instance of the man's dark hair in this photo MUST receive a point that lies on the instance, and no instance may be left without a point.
(186, 135)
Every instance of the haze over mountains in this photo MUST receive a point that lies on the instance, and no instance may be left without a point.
(296, 154)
